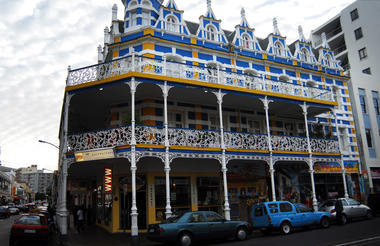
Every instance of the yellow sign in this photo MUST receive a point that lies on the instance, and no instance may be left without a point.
(94, 155)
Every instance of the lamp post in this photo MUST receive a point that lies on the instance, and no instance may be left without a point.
(46, 142)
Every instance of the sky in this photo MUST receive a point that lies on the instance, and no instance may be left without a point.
(39, 39)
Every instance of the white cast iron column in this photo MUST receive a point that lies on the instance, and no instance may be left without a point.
(271, 164)
(134, 227)
(227, 209)
(341, 155)
(165, 92)
(62, 212)
(311, 169)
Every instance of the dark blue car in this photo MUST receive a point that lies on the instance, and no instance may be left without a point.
(197, 226)
(284, 216)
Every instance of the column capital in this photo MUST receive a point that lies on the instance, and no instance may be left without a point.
(304, 108)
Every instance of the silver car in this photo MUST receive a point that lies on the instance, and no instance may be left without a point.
(351, 209)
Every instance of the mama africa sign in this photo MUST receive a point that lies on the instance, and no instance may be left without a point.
(334, 167)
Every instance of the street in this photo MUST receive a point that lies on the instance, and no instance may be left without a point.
(363, 232)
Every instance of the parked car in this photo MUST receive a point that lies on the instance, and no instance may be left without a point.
(351, 209)
(29, 227)
(4, 212)
(195, 226)
(374, 202)
(13, 211)
(284, 216)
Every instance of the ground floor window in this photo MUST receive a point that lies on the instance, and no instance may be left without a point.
(180, 195)
(209, 193)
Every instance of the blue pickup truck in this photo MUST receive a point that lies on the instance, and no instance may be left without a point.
(284, 216)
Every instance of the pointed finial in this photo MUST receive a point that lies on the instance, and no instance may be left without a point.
(242, 13)
(300, 34)
(209, 4)
(114, 12)
(324, 41)
(275, 27)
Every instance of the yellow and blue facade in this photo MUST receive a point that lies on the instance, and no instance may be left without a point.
(199, 118)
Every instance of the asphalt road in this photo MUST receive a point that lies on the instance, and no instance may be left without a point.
(361, 233)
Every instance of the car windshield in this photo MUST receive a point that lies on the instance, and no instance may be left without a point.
(30, 220)
(329, 203)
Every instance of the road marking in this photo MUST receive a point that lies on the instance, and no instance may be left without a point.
(358, 241)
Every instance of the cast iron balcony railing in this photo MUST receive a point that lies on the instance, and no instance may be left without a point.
(192, 72)
(152, 135)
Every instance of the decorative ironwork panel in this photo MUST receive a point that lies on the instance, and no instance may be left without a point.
(288, 143)
(100, 139)
(185, 71)
(150, 135)
(237, 140)
(194, 138)
(319, 145)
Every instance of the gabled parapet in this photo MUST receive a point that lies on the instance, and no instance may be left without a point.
(277, 44)
(303, 49)
(140, 13)
(210, 28)
(171, 19)
(326, 55)
(244, 35)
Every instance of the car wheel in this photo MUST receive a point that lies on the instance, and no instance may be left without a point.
(343, 220)
(325, 222)
(241, 234)
(369, 215)
(185, 239)
(285, 228)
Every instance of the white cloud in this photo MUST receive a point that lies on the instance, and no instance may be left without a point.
(40, 38)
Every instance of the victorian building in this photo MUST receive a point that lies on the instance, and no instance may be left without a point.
(180, 116)
(353, 37)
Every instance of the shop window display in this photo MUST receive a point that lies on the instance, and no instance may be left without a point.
(209, 193)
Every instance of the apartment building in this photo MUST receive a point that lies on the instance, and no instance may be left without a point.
(353, 36)
(180, 116)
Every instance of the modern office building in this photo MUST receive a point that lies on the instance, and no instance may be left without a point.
(353, 36)
(180, 116)
(37, 180)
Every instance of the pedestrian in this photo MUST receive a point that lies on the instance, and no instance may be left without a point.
(339, 211)
(80, 219)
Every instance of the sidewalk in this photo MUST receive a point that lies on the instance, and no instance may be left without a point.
(97, 236)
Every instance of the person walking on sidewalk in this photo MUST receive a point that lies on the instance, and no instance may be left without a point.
(339, 211)
(80, 219)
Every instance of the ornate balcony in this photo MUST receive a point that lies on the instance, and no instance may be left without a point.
(151, 135)
(192, 72)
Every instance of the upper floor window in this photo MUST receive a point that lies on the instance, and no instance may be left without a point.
(362, 100)
(354, 14)
(358, 33)
(145, 18)
(278, 49)
(171, 24)
(133, 18)
(328, 60)
(211, 33)
(304, 55)
(375, 97)
(368, 135)
(132, 4)
(246, 41)
(367, 70)
(362, 53)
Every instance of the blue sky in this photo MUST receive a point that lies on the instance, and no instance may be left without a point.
(39, 39)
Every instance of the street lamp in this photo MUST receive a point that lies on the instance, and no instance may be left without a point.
(42, 141)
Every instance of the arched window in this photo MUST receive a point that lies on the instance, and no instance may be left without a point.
(211, 33)
(246, 41)
(147, 3)
(278, 49)
(328, 60)
(171, 24)
(132, 4)
(304, 55)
